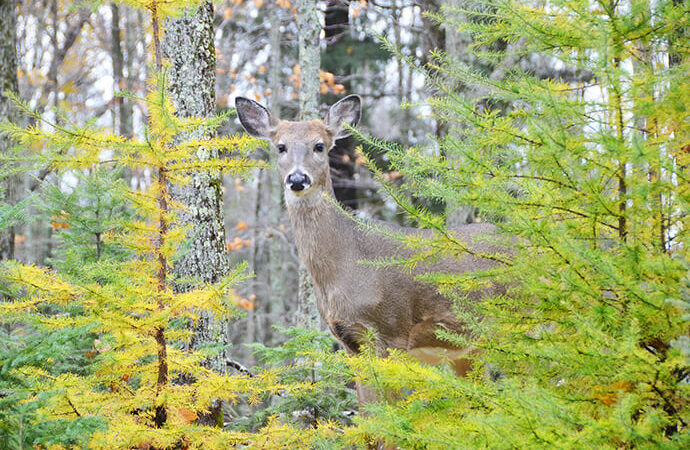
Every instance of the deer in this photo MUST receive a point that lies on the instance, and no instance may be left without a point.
(356, 299)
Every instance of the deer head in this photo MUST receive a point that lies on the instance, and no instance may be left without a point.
(302, 146)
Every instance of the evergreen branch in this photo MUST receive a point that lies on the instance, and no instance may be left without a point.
(568, 210)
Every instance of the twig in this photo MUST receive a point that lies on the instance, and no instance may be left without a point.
(239, 367)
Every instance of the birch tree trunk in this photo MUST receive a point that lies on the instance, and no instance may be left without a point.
(189, 48)
(8, 81)
(309, 29)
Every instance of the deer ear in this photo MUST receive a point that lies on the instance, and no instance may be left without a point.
(347, 110)
(255, 119)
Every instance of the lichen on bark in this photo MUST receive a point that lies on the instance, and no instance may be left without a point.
(309, 27)
(189, 50)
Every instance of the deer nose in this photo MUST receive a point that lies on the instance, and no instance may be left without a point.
(298, 181)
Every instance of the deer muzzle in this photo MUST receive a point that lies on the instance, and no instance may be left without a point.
(298, 181)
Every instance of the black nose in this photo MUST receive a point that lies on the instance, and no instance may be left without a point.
(298, 181)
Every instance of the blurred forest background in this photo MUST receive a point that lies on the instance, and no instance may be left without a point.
(73, 58)
(564, 122)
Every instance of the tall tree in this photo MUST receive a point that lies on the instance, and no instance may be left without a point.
(309, 58)
(588, 177)
(8, 82)
(124, 107)
(189, 49)
(336, 31)
(310, 83)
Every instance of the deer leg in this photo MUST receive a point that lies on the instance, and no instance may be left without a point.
(425, 346)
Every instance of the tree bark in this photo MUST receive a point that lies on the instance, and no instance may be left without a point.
(124, 108)
(310, 81)
(309, 58)
(8, 82)
(337, 25)
(189, 48)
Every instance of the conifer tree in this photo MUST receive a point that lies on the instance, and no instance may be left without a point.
(133, 310)
(588, 181)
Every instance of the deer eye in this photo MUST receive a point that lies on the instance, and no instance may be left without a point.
(318, 147)
(281, 148)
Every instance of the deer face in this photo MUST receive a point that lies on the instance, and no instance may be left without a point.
(302, 147)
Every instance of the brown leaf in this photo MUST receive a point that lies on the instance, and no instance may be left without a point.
(187, 415)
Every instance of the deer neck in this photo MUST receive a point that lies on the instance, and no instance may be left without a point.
(322, 234)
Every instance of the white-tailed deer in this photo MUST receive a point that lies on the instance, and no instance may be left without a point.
(351, 297)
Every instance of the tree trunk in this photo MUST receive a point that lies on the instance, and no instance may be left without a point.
(337, 26)
(8, 81)
(309, 58)
(189, 48)
(124, 108)
(310, 69)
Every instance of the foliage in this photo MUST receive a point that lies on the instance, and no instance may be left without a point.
(83, 217)
(588, 179)
(131, 306)
(306, 356)
(26, 349)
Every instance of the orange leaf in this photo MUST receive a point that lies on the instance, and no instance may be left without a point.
(241, 225)
(58, 220)
(246, 304)
(235, 244)
(607, 399)
(187, 415)
(57, 225)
